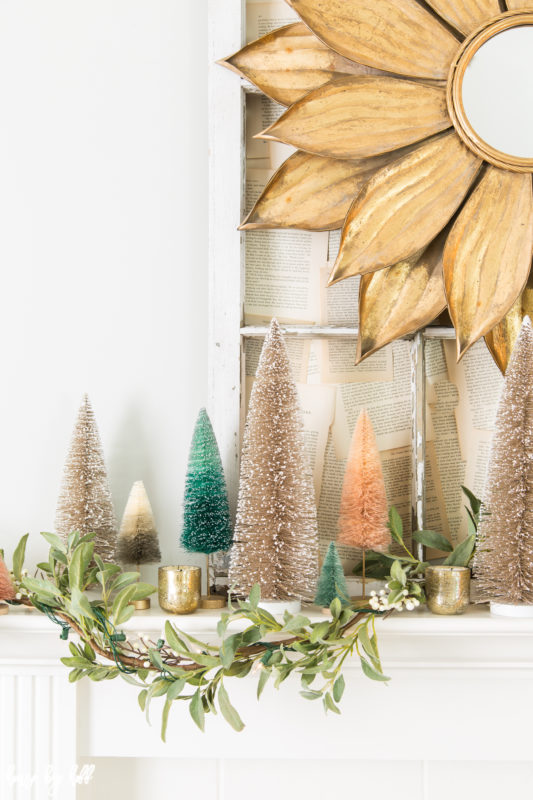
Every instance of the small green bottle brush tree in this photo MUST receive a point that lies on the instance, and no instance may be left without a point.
(206, 515)
(331, 582)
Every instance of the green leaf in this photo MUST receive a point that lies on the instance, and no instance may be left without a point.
(251, 635)
(262, 682)
(54, 541)
(176, 688)
(329, 704)
(123, 580)
(335, 608)
(311, 695)
(41, 587)
(81, 559)
(433, 539)
(141, 699)
(338, 688)
(475, 502)
(367, 643)
(120, 604)
(255, 595)
(164, 719)
(228, 711)
(196, 710)
(372, 673)
(19, 556)
(142, 590)
(227, 650)
(462, 554)
(297, 623)
(398, 574)
(205, 660)
(395, 525)
(319, 630)
(80, 604)
(177, 644)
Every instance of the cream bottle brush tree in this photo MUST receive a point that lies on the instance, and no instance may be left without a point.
(503, 563)
(363, 509)
(85, 503)
(276, 535)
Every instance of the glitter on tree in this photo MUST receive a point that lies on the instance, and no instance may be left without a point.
(276, 535)
(85, 503)
(137, 539)
(503, 563)
(363, 509)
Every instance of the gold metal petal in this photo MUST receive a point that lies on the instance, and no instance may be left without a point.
(401, 299)
(405, 206)
(466, 15)
(313, 193)
(356, 117)
(488, 254)
(289, 62)
(517, 5)
(502, 338)
(394, 35)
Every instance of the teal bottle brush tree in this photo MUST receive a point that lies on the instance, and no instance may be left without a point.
(331, 583)
(206, 517)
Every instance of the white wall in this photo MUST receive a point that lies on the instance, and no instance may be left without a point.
(103, 247)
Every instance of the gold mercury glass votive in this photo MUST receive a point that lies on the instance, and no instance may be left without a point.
(447, 589)
(179, 589)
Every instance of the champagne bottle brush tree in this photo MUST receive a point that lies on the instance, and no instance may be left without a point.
(85, 503)
(276, 535)
(503, 563)
(363, 509)
(138, 542)
(206, 515)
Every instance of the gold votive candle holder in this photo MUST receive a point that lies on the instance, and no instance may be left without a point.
(179, 589)
(447, 589)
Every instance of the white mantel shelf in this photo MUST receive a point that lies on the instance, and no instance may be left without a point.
(451, 677)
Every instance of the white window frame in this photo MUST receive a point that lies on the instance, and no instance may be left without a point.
(227, 333)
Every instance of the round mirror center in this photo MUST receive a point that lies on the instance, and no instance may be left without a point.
(497, 92)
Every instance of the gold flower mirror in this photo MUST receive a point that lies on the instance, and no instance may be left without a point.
(413, 133)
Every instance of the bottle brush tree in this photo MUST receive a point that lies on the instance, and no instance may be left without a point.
(503, 562)
(331, 583)
(85, 503)
(363, 509)
(206, 516)
(138, 542)
(276, 535)
(7, 590)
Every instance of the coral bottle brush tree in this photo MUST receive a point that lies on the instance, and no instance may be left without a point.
(276, 535)
(363, 510)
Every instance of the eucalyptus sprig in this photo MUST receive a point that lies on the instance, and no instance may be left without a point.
(180, 667)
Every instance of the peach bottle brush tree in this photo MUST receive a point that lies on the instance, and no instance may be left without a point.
(7, 590)
(363, 510)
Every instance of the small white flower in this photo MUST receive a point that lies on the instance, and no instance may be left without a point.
(405, 592)
(409, 605)
(18, 596)
(373, 593)
(146, 664)
(416, 602)
(381, 592)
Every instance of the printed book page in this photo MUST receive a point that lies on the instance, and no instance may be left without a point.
(282, 268)
(262, 18)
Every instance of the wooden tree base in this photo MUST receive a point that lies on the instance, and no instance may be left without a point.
(4, 608)
(141, 605)
(213, 601)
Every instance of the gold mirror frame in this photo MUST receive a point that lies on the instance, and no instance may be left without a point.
(503, 22)
(431, 214)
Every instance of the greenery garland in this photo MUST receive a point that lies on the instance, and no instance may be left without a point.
(182, 668)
